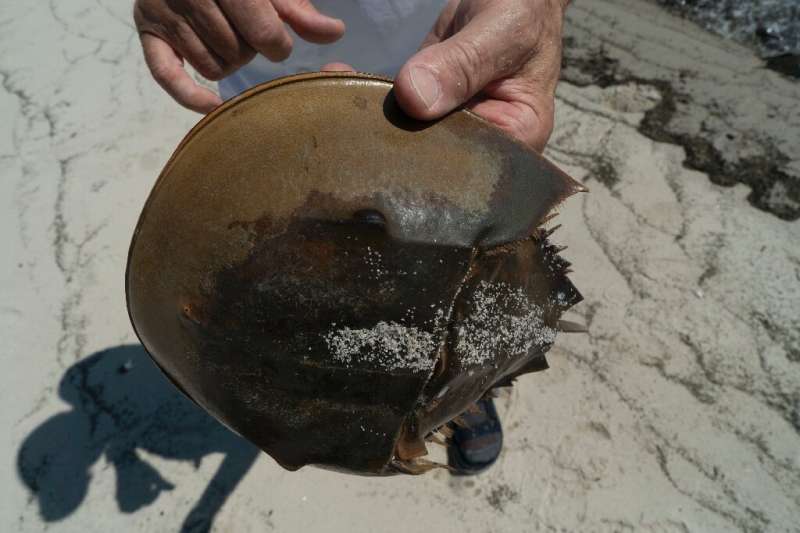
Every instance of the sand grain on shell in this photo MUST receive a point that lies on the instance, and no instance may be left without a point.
(503, 319)
(387, 345)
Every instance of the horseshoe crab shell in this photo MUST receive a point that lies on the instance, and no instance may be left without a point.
(335, 281)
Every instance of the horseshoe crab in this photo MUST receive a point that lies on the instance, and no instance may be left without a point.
(335, 281)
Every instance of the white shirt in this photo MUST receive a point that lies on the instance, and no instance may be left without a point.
(380, 36)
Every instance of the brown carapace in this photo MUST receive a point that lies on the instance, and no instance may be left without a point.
(335, 281)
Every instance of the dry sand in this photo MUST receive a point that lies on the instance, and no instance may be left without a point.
(679, 411)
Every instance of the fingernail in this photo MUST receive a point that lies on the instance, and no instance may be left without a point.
(426, 85)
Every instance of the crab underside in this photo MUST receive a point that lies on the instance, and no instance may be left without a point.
(335, 281)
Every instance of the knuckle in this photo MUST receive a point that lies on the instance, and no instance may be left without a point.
(163, 74)
(467, 61)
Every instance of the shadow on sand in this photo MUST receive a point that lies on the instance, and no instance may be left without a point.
(122, 403)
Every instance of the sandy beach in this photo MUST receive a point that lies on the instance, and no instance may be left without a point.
(678, 411)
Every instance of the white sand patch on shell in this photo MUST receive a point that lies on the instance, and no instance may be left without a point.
(388, 345)
(503, 319)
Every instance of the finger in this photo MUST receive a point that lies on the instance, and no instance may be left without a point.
(309, 23)
(214, 29)
(442, 76)
(260, 26)
(337, 67)
(167, 69)
(192, 49)
(529, 122)
(443, 27)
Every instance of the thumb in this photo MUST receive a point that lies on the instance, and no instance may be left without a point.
(445, 75)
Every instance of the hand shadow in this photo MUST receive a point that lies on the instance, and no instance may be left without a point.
(122, 403)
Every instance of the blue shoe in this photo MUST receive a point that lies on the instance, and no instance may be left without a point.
(477, 443)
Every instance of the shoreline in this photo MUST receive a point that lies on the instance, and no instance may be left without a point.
(766, 32)
(696, 103)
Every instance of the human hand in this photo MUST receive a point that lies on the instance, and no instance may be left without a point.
(218, 37)
(501, 58)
